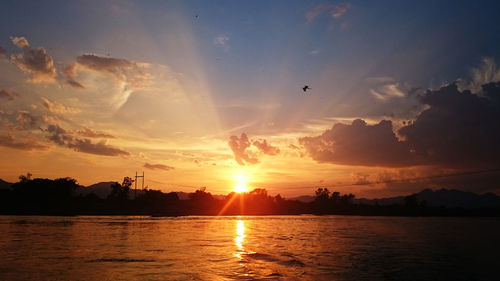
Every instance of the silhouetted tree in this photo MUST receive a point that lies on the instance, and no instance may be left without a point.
(25, 178)
(120, 192)
(322, 194)
(411, 200)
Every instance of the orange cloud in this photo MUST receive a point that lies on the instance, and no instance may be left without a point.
(241, 144)
(55, 107)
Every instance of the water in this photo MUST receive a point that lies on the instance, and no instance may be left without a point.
(249, 248)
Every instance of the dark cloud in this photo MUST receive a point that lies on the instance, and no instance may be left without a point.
(123, 70)
(457, 130)
(266, 148)
(4, 93)
(35, 62)
(239, 146)
(359, 144)
(117, 67)
(26, 120)
(111, 65)
(9, 141)
(63, 138)
(74, 84)
(58, 135)
(3, 52)
(158, 167)
(99, 148)
(69, 73)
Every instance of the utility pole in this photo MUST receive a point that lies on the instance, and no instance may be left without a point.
(136, 176)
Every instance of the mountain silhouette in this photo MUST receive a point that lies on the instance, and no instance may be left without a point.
(451, 198)
(101, 189)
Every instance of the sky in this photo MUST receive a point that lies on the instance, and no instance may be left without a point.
(209, 94)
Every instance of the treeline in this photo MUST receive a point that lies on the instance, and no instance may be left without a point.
(60, 197)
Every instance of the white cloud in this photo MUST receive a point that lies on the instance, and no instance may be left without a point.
(222, 41)
(335, 11)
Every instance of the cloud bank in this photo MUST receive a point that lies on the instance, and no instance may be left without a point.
(458, 129)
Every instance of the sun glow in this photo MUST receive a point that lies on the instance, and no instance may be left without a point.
(240, 187)
(241, 183)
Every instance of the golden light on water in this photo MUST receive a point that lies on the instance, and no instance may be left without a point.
(240, 236)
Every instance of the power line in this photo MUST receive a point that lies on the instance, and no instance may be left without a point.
(466, 173)
(398, 180)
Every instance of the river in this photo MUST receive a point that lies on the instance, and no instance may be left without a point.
(249, 248)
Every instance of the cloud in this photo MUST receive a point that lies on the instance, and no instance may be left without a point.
(27, 120)
(359, 144)
(74, 84)
(340, 10)
(58, 135)
(20, 42)
(158, 167)
(87, 132)
(3, 52)
(55, 107)
(488, 71)
(38, 131)
(458, 129)
(4, 93)
(35, 62)
(9, 141)
(335, 11)
(314, 52)
(266, 148)
(222, 41)
(70, 72)
(99, 148)
(62, 137)
(239, 146)
(117, 67)
(387, 91)
(122, 70)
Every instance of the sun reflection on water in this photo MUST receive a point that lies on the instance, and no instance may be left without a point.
(240, 236)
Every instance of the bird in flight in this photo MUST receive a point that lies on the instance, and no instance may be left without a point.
(305, 88)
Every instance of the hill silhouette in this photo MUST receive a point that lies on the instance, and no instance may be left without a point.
(451, 198)
(4, 184)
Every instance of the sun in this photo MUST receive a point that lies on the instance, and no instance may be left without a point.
(240, 187)
(241, 180)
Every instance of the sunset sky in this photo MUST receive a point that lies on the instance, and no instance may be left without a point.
(209, 93)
